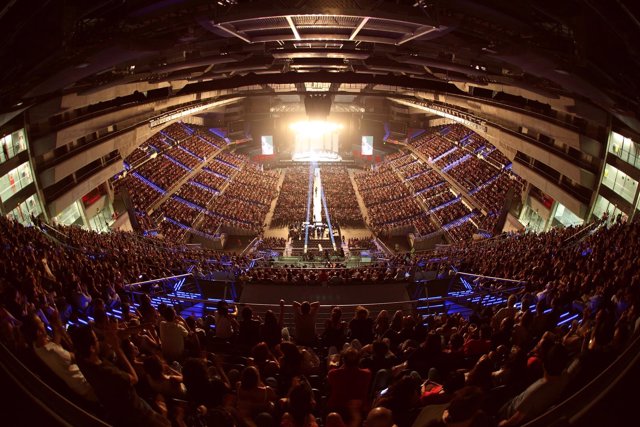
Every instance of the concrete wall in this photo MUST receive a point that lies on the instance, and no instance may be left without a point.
(58, 205)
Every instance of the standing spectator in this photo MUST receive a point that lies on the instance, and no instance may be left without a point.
(249, 330)
(305, 320)
(335, 328)
(271, 329)
(361, 326)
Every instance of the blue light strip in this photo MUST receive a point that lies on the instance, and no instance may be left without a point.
(187, 128)
(429, 188)
(416, 133)
(387, 131)
(458, 221)
(444, 205)
(207, 142)
(220, 133)
(485, 184)
(186, 150)
(149, 183)
(218, 174)
(449, 151)
(174, 161)
(456, 163)
(205, 187)
(224, 162)
(188, 203)
(163, 133)
(568, 319)
(179, 224)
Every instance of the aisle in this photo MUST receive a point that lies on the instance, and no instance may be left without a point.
(272, 208)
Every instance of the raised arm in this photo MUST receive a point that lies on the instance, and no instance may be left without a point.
(112, 338)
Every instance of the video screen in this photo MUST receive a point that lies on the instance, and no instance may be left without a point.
(267, 145)
(367, 145)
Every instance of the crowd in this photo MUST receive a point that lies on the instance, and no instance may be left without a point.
(271, 243)
(142, 195)
(503, 365)
(254, 186)
(376, 273)
(463, 232)
(412, 170)
(292, 201)
(472, 173)
(177, 132)
(432, 145)
(195, 194)
(179, 154)
(361, 243)
(455, 132)
(451, 212)
(208, 136)
(390, 203)
(341, 198)
(208, 178)
(199, 147)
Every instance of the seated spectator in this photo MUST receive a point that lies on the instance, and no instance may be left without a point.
(300, 406)
(539, 396)
(113, 385)
(226, 325)
(253, 396)
(402, 398)
(54, 356)
(162, 379)
(172, 335)
(349, 386)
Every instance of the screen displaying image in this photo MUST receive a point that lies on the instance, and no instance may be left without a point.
(367, 145)
(267, 145)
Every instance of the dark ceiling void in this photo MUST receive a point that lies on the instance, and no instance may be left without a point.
(577, 49)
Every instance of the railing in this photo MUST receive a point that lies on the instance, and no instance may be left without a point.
(56, 406)
(577, 406)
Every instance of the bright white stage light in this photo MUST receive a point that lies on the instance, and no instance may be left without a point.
(314, 127)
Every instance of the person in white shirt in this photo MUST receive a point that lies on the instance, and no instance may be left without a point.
(172, 335)
(54, 356)
(226, 325)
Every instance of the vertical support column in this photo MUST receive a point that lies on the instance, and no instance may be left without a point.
(635, 204)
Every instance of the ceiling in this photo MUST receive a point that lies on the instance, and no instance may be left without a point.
(584, 49)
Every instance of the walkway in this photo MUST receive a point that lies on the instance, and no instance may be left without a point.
(272, 208)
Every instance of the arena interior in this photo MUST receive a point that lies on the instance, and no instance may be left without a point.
(319, 213)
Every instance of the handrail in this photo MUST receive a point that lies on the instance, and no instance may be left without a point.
(583, 401)
(178, 276)
(415, 301)
(480, 276)
(582, 230)
(62, 410)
